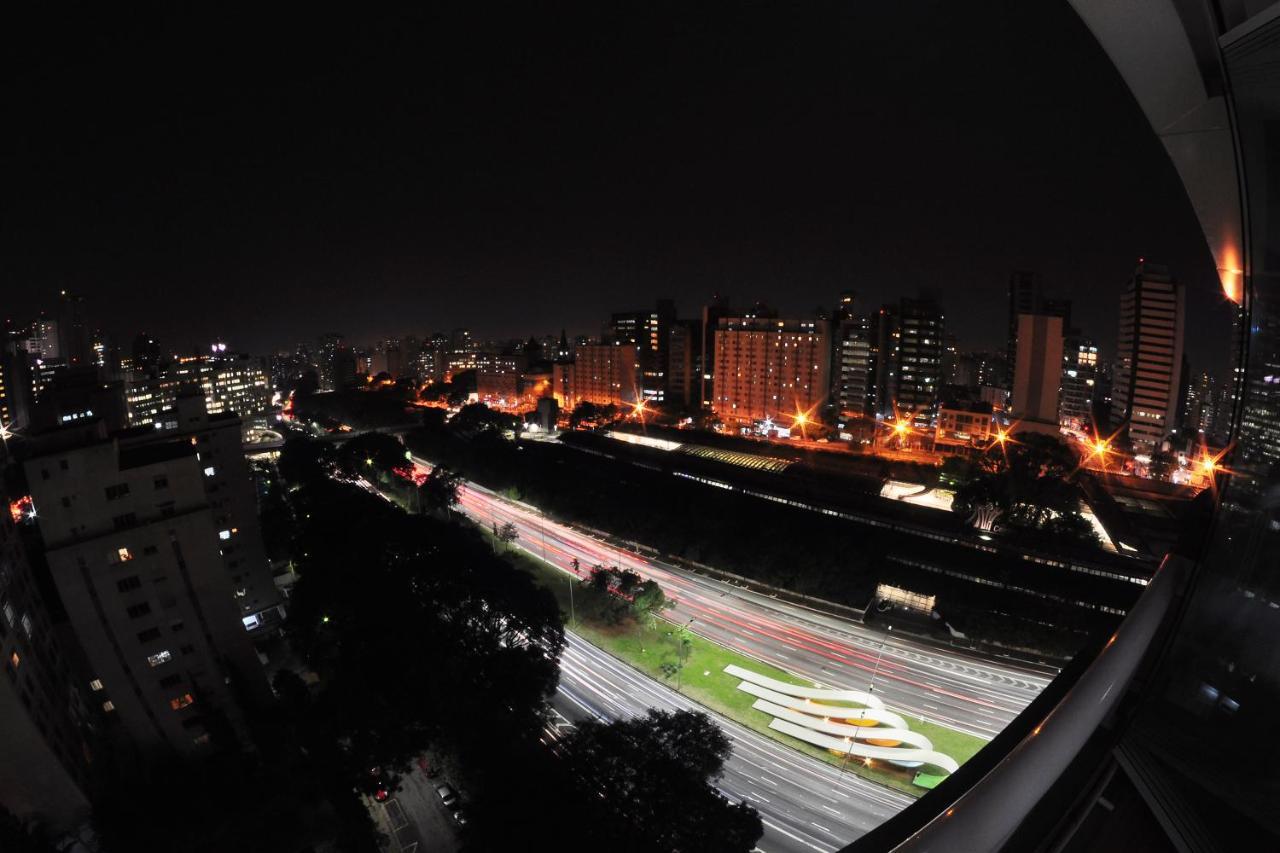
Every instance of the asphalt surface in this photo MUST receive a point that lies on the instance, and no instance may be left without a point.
(967, 692)
(806, 805)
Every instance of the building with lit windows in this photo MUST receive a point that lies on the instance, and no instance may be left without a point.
(48, 738)
(135, 537)
(963, 425)
(1148, 369)
(1079, 383)
(768, 368)
(603, 374)
(649, 332)
(916, 366)
(229, 383)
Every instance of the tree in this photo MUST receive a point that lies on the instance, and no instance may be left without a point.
(584, 411)
(439, 491)
(1030, 484)
(648, 784)
(649, 599)
(375, 582)
(371, 453)
(507, 534)
(475, 418)
(303, 460)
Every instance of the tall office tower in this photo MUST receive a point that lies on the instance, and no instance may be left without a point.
(1149, 356)
(46, 740)
(918, 369)
(42, 339)
(1079, 382)
(1027, 297)
(1024, 298)
(563, 352)
(684, 347)
(842, 317)
(135, 547)
(1037, 375)
(605, 374)
(649, 332)
(74, 339)
(327, 347)
(858, 348)
(767, 368)
(147, 355)
(712, 314)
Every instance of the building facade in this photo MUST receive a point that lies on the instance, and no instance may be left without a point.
(1079, 383)
(134, 548)
(46, 725)
(1149, 356)
(767, 368)
(603, 374)
(1037, 371)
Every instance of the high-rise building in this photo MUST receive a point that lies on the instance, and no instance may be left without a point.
(649, 332)
(135, 547)
(1079, 383)
(917, 368)
(1149, 356)
(216, 433)
(230, 382)
(712, 314)
(858, 347)
(46, 740)
(767, 368)
(684, 347)
(1037, 373)
(1024, 298)
(42, 338)
(74, 334)
(604, 374)
(147, 355)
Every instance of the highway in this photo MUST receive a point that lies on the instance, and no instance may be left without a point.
(967, 692)
(806, 805)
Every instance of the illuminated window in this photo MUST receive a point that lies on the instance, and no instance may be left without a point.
(95, 685)
(15, 659)
(224, 534)
(159, 657)
(179, 702)
(124, 554)
(208, 472)
(108, 706)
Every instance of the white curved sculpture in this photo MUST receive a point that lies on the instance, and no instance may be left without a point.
(871, 732)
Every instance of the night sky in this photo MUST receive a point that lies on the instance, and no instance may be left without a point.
(266, 179)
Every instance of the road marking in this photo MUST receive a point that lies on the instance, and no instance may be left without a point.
(823, 828)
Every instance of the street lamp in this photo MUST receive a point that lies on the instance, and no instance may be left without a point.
(871, 688)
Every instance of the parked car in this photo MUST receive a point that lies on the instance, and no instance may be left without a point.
(448, 796)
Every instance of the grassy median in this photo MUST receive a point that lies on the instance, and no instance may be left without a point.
(648, 647)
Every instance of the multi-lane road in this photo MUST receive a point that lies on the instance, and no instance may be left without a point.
(970, 693)
(806, 804)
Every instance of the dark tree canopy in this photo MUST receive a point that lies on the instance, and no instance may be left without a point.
(649, 781)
